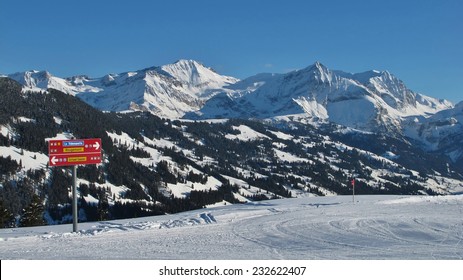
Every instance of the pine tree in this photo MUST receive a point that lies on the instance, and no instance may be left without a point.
(33, 214)
(103, 207)
(6, 217)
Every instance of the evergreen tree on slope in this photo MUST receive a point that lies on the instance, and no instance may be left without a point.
(33, 214)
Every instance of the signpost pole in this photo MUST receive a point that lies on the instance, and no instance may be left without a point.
(74, 198)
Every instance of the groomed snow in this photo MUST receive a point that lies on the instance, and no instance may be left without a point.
(375, 227)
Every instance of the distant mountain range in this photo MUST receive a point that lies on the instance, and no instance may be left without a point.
(372, 101)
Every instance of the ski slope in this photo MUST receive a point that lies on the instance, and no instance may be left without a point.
(375, 227)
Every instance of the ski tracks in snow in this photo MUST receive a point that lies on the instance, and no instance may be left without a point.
(314, 228)
(321, 231)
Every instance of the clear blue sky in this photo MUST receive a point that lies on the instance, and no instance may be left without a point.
(421, 42)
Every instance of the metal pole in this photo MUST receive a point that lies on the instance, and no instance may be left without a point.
(74, 198)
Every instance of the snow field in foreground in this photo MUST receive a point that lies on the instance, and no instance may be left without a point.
(314, 228)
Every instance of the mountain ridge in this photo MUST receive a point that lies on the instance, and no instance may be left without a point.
(366, 100)
(169, 90)
(185, 80)
(371, 101)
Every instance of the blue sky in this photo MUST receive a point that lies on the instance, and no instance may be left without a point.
(421, 42)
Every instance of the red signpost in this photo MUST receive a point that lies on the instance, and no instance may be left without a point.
(72, 153)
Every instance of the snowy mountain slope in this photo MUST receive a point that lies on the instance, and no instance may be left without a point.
(200, 80)
(41, 80)
(168, 91)
(144, 90)
(442, 131)
(395, 93)
(375, 227)
(372, 101)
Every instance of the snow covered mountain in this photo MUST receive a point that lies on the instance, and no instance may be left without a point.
(441, 132)
(41, 80)
(372, 101)
(167, 91)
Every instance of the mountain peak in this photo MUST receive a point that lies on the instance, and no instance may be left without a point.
(195, 74)
(317, 63)
(188, 64)
(32, 78)
(187, 61)
(187, 71)
(319, 66)
(320, 72)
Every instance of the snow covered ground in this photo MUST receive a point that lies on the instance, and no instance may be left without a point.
(375, 227)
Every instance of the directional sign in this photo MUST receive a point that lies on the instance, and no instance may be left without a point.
(74, 152)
